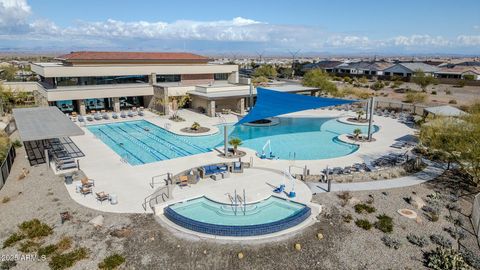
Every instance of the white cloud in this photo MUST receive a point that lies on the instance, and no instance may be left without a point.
(14, 16)
(16, 25)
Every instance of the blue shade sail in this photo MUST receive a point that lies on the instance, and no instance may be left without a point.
(273, 103)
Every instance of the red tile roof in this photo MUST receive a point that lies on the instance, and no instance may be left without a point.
(140, 56)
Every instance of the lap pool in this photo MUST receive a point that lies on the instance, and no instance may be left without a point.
(140, 142)
(268, 216)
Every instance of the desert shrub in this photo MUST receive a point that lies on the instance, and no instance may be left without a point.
(397, 84)
(336, 78)
(456, 220)
(452, 101)
(473, 259)
(443, 259)
(347, 79)
(364, 224)
(378, 85)
(5, 265)
(440, 240)
(448, 92)
(460, 84)
(35, 228)
(111, 262)
(456, 232)
(64, 261)
(347, 218)
(64, 244)
(415, 97)
(17, 144)
(5, 199)
(46, 250)
(420, 241)
(434, 92)
(361, 208)
(29, 246)
(344, 196)
(391, 242)
(12, 239)
(453, 207)
(384, 223)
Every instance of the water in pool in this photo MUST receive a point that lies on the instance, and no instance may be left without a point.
(141, 142)
(266, 211)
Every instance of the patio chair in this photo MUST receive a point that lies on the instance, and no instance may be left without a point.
(80, 118)
(130, 114)
(89, 118)
(141, 113)
(105, 116)
(123, 115)
(85, 191)
(183, 181)
(87, 182)
(97, 116)
(102, 196)
(114, 115)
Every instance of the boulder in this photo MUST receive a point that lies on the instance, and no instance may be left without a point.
(417, 202)
(353, 201)
(298, 246)
(97, 221)
(240, 255)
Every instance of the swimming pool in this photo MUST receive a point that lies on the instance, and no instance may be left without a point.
(268, 216)
(141, 142)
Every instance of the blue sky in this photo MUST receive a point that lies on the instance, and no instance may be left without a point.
(367, 27)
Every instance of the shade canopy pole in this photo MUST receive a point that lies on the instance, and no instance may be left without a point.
(370, 118)
(225, 140)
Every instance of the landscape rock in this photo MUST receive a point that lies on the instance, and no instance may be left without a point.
(298, 246)
(97, 221)
(417, 202)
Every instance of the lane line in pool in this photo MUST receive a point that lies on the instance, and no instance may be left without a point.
(139, 143)
(121, 146)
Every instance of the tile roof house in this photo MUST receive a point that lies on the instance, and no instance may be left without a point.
(459, 72)
(408, 69)
(326, 65)
(363, 67)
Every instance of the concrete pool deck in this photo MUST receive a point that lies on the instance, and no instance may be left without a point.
(131, 183)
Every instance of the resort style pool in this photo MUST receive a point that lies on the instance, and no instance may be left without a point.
(141, 142)
(267, 216)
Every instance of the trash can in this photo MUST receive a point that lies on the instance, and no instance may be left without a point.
(113, 199)
(68, 179)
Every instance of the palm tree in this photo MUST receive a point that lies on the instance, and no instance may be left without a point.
(195, 126)
(235, 142)
(357, 132)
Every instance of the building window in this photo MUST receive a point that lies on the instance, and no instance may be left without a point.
(168, 78)
(221, 76)
(70, 81)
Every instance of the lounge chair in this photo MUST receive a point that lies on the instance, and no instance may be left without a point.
(123, 115)
(114, 115)
(279, 189)
(85, 190)
(141, 113)
(87, 182)
(97, 116)
(89, 118)
(183, 181)
(102, 196)
(130, 114)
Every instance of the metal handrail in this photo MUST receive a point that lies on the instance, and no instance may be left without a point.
(152, 183)
(150, 199)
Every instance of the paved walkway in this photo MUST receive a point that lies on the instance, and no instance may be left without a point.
(432, 171)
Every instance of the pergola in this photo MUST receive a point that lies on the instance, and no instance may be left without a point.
(37, 126)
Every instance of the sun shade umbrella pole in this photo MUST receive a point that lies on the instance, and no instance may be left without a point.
(225, 140)
(370, 118)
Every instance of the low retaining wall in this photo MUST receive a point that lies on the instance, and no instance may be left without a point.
(7, 166)
(239, 231)
(476, 215)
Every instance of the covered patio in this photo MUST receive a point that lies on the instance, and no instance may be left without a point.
(45, 133)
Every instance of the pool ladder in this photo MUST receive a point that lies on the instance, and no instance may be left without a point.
(236, 201)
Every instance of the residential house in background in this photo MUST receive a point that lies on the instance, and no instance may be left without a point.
(408, 69)
(459, 72)
(326, 65)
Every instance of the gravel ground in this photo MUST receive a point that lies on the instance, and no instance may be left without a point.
(147, 245)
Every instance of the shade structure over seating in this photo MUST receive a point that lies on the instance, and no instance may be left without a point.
(272, 103)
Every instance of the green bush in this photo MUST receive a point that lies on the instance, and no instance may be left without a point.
(473, 259)
(452, 101)
(29, 246)
(364, 224)
(17, 144)
(469, 77)
(64, 261)
(361, 208)
(378, 85)
(384, 223)
(111, 262)
(35, 228)
(347, 79)
(442, 259)
(46, 251)
(12, 239)
(6, 265)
